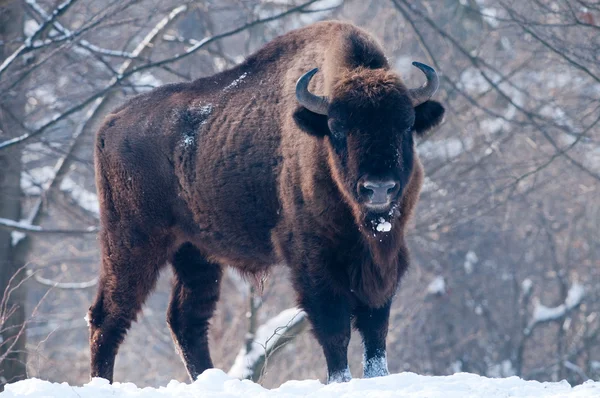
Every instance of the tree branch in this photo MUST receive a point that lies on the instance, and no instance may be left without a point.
(12, 225)
(125, 74)
(58, 11)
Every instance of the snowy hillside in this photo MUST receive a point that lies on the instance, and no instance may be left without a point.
(215, 383)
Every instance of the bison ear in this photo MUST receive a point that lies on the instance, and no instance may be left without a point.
(428, 115)
(311, 123)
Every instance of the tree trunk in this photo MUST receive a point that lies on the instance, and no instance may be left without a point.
(12, 335)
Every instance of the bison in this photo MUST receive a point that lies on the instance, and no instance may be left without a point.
(250, 168)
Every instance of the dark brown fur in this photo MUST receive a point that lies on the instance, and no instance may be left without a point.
(230, 170)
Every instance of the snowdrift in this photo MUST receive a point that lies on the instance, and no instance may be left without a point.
(215, 383)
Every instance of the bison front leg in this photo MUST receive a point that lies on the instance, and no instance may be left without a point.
(372, 323)
(330, 317)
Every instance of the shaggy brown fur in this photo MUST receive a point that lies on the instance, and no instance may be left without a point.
(230, 170)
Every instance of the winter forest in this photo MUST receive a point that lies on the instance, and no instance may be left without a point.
(505, 243)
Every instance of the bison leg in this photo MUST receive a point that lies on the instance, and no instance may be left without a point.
(330, 318)
(194, 299)
(372, 323)
(126, 280)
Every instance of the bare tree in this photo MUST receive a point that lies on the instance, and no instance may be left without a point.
(12, 314)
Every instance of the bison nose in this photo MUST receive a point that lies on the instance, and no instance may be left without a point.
(377, 192)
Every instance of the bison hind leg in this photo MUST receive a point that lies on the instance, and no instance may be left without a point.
(127, 278)
(196, 285)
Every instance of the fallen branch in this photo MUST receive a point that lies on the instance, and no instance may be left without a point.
(269, 337)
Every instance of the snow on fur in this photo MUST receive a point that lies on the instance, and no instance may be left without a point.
(236, 82)
(215, 383)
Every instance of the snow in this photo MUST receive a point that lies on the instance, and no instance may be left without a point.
(437, 285)
(16, 237)
(35, 180)
(494, 125)
(490, 16)
(574, 295)
(503, 369)
(376, 366)
(35, 151)
(429, 185)
(340, 376)
(472, 81)
(84, 198)
(197, 112)
(145, 81)
(383, 225)
(526, 286)
(319, 11)
(541, 313)
(205, 110)
(215, 383)
(444, 149)
(266, 337)
(31, 26)
(470, 261)
(188, 140)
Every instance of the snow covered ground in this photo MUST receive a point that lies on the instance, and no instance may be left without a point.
(215, 383)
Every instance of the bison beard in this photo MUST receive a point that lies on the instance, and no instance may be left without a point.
(248, 168)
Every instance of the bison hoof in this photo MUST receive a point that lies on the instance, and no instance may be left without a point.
(340, 376)
(375, 367)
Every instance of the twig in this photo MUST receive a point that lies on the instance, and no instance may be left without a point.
(58, 11)
(65, 285)
(70, 35)
(12, 225)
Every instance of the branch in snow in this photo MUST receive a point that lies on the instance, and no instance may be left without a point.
(543, 314)
(268, 338)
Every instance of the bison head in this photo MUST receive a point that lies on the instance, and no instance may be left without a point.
(367, 124)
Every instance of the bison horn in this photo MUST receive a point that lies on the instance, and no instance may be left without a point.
(313, 103)
(423, 93)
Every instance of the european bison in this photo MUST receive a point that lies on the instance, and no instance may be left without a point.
(251, 168)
